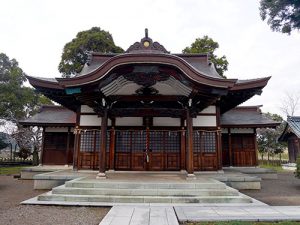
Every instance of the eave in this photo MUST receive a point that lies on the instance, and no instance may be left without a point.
(28, 124)
(143, 58)
(40, 82)
(268, 125)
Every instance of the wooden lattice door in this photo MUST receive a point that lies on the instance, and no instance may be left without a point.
(147, 150)
(130, 150)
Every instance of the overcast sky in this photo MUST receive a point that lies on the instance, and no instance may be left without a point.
(34, 32)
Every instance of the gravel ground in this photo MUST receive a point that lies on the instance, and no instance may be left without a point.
(14, 191)
(283, 191)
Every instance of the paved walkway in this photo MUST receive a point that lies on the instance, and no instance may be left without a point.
(140, 215)
(154, 215)
(242, 213)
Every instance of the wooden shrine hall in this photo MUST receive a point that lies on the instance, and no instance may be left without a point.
(148, 109)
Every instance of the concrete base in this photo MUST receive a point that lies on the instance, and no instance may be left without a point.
(47, 184)
(244, 185)
(28, 173)
(50, 180)
(263, 173)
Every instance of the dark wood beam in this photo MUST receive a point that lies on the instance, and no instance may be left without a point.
(159, 98)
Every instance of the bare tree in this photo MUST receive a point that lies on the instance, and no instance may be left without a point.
(29, 139)
(290, 103)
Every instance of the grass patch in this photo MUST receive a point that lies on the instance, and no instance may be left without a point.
(11, 170)
(269, 166)
(244, 223)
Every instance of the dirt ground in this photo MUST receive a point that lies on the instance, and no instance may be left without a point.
(283, 191)
(14, 191)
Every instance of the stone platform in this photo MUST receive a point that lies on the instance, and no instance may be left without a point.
(141, 188)
(58, 176)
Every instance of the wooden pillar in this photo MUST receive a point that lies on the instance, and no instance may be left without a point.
(76, 148)
(230, 147)
(102, 151)
(189, 144)
(76, 140)
(219, 137)
(183, 149)
(112, 149)
(256, 146)
(219, 148)
(68, 147)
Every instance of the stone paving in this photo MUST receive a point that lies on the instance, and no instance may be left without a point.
(166, 215)
(242, 213)
(140, 215)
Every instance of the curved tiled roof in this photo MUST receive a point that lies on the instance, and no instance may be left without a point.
(51, 115)
(245, 116)
(292, 127)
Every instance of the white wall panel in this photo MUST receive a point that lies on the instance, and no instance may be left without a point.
(129, 121)
(205, 121)
(90, 120)
(209, 109)
(86, 109)
(166, 121)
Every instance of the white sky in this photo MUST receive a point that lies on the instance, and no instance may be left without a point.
(34, 32)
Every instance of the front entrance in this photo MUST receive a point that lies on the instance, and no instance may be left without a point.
(147, 150)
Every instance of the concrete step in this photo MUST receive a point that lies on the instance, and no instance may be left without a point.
(145, 185)
(143, 199)
(145, 192)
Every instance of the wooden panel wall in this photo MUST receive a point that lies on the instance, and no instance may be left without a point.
(243, 149)
(55, 148)
(205, 151)
(293, 148)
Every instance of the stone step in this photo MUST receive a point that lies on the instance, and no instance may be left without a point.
(144, 192)
(143, 199)
(145, 185)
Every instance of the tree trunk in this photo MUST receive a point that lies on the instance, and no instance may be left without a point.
(35, 157)
(280, 158)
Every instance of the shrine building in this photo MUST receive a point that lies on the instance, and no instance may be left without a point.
(149, 110)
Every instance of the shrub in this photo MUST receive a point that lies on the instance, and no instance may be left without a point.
(297, 172)
(24, 153)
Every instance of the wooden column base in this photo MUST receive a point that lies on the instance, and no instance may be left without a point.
(101, 176)
(191, 176)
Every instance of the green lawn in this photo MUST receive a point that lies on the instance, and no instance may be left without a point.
(244, 223)
(10, 170)
(270, 166)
